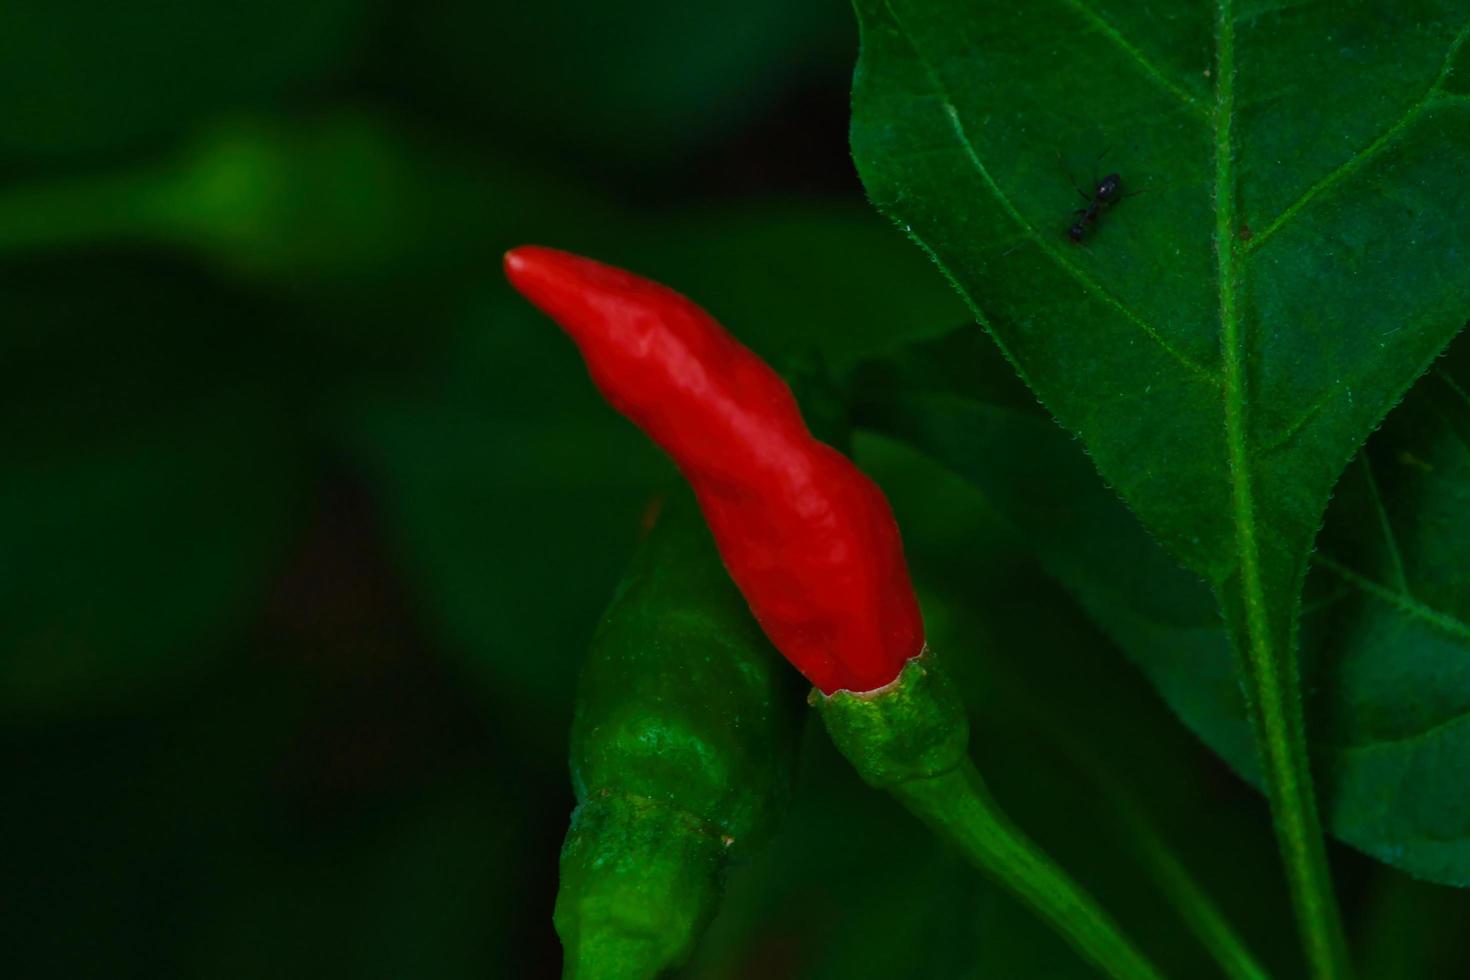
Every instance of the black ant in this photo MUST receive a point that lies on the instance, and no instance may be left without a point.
(1105, 194)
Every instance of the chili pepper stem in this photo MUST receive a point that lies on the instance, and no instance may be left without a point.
(911, 738)
(958, 806)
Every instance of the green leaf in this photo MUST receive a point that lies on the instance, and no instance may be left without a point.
(1225, 342)
(1383, 630)
(1393, 650)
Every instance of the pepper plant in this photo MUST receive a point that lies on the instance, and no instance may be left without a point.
(1224, 351)
(1222, 347)
(1083, 592)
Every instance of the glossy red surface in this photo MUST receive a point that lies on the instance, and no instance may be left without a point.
(808, 538)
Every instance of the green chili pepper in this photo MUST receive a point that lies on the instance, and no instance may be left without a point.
(682, 751)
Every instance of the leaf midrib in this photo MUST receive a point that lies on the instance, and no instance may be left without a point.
(1278, 736)
(1232, 359)
(1259, 642)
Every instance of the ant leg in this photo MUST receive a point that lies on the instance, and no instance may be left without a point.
(1096, 164)
(1152, 185)
(1072, 180)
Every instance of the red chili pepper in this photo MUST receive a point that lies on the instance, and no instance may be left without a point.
(807, 537)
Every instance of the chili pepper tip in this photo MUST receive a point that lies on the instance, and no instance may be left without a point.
(548, 277)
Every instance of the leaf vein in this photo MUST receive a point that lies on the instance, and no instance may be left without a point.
(1390, 540)
(1453, 385)
(1402, 601)
(1380, 743)
(1243, 507)
(1138, 57)
(1293, 429)
(1362, 156)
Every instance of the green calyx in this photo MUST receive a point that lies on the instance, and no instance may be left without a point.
(682, 756)
(915, 728)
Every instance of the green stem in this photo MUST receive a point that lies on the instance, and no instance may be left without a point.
(1269, 665)
(1194, 905)
(1204, 919)
(1282, 744)
(957, 805)
(911, 739)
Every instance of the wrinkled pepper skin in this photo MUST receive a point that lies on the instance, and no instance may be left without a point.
(682, 755)
(807, 537)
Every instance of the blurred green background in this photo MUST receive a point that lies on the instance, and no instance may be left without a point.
(306, 520)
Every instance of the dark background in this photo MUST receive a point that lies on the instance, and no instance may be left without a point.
(306, 520)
